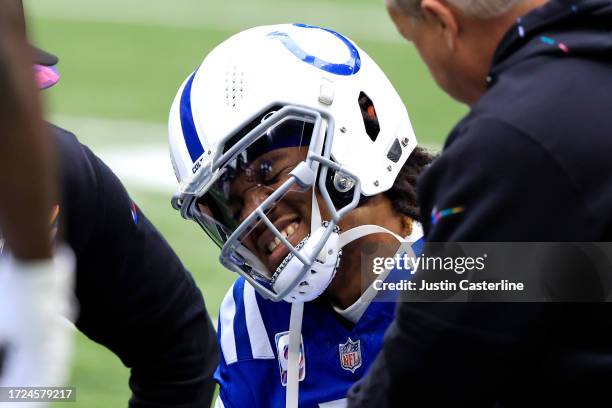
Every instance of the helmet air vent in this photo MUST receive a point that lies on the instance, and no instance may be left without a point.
(235, 84)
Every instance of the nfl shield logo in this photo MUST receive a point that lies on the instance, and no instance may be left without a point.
(350, 355)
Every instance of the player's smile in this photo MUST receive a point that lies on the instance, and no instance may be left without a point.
(287, 233)
(270, 249)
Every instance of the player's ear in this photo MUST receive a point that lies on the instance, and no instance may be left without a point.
(443, 17)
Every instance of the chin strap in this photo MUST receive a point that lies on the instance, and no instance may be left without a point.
(363, 230)
(295, 328)
(293, 371)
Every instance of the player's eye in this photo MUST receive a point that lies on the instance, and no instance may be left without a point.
(279, 177)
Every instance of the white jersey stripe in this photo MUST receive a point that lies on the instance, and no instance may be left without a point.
(260, 344)
(228, 341)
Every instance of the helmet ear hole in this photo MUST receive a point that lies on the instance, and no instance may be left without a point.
(370, 118)
(340, 188)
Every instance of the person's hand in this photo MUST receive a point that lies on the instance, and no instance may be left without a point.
(35, 333)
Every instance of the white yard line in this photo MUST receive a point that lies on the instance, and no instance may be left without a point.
(147, 168)
(137, 151)
(360, 21)
(100, 131)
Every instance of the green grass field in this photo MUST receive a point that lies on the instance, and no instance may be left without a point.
(121, 63)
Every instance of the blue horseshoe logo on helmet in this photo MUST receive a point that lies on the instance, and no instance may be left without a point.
(350, 67)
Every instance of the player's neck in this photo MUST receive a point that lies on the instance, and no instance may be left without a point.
(346, 289)
(353, 278)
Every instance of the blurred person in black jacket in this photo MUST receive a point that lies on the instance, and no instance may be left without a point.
(135, 296)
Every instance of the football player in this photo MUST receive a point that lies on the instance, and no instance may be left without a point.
(293, 151)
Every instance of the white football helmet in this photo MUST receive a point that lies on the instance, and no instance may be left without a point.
(306, 93)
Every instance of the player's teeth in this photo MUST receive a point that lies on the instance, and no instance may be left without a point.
(287, 232)
(290, 230)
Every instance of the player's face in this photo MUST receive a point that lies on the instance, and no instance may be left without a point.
(291, 215)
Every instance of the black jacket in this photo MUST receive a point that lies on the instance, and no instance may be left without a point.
(532, 161)
(135, 297)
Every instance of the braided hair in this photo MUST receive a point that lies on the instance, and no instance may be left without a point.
(403, 194)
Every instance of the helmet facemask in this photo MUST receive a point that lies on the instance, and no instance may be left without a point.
(261, 208)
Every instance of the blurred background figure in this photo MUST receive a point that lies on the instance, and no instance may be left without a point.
(135, 297)
(35, 276)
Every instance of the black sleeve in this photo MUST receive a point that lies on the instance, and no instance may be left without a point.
(506, 187)
(135, 296)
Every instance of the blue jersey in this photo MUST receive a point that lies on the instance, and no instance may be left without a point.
(253, 335)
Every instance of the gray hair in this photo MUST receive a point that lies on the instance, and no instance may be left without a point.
(473, 8)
